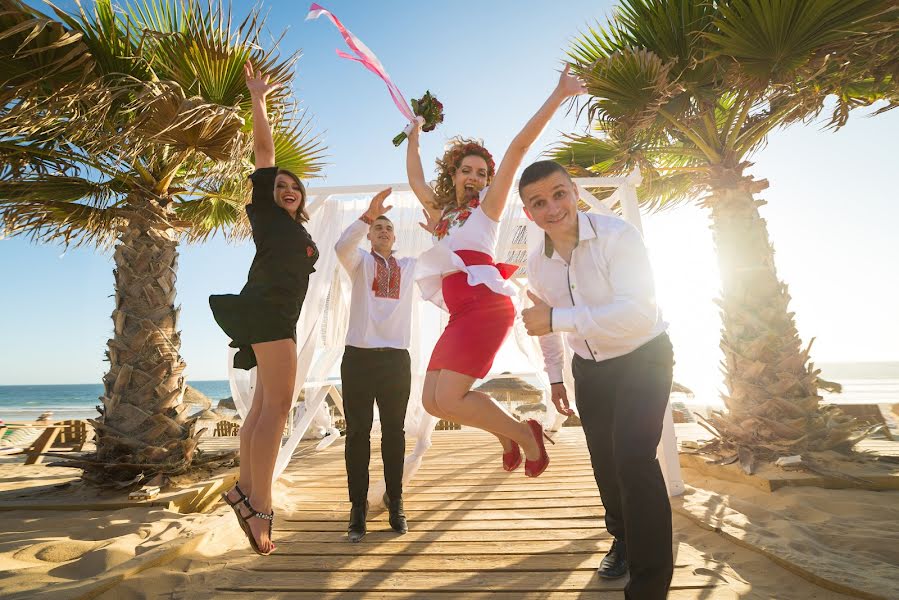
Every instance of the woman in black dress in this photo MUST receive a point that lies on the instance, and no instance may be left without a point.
(262, 319)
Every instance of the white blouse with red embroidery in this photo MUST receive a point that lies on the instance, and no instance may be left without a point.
(467, 228)
(382, 296)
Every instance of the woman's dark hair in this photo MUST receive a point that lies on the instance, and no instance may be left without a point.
(302, 215)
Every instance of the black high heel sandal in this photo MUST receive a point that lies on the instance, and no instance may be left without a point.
(245, 525)
(235, 506)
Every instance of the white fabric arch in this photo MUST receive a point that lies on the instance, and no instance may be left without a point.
(321, 329)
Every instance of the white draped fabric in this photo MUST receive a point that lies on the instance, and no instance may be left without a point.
(321, 329)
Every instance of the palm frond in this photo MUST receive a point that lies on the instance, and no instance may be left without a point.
(152, 120)
(37, 52)
(165, 116)
(70, 223)
(211, 213)
(297, 149)
(772, 42)
(628, 88)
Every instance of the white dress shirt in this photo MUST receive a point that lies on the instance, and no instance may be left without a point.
(604, 301)
(375, 322)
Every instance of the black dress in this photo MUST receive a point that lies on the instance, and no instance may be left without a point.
(268, 306)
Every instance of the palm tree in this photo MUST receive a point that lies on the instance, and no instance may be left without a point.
(687, 91)
(127, 127)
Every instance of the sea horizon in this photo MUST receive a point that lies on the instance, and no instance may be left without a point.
(864, 382)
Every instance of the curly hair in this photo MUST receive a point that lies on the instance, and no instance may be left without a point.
(459, 148)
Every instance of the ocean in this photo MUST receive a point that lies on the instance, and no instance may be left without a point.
(863, 383)
(27, 402)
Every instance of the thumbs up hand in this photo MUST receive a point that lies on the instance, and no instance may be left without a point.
(537, 319)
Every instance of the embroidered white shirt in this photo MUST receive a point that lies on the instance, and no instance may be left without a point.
(604, 301)
(375, 322)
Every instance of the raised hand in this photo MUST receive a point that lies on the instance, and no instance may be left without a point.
(430, 224)
(415, 131)
(377, 208)
(257, 82)
(570, 85)
(538, 318)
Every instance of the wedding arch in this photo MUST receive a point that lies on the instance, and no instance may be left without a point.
(321, 329)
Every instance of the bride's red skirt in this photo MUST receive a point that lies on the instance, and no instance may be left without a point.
(480, 320)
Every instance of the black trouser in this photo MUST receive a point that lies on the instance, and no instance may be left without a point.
(375, 375)
(622, 402)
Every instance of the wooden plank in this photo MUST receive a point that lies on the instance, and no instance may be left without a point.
(523, 496)
(460, 514)
(384, 536)
(494, 475)
(482, 486)
(772, 478)
(409, 563)
(464, 525)
(459, 582)
(41, 445)
(486, 503)
(197, 498)
(443, 563)
(401, 547)
(704, 593)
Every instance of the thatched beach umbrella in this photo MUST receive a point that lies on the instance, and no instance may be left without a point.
(678, 388)
(506, 389)
(194, 396)
(226, 403)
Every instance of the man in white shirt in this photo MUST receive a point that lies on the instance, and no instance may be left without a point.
(592, 287)
(376, 365)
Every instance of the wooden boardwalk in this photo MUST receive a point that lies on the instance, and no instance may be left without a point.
(475, 531)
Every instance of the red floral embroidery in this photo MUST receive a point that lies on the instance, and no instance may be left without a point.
(310, 251)
(441, 229)
(386, 283)
(454, 217)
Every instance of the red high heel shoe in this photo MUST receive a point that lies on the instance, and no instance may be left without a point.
(512, 458)
(533, 468)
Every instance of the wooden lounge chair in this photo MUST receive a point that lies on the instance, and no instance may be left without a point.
(42, 444)
(65, 436)
(73, 437)
(226, 429)
(444, 425)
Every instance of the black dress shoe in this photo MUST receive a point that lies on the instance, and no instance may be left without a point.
(356, 531)
(614, 564)
(397, 516)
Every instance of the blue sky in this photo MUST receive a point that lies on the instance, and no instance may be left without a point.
(831, 213)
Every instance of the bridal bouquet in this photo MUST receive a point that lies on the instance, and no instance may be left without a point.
(429, 110)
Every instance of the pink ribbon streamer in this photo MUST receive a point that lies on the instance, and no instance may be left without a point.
(363, 56)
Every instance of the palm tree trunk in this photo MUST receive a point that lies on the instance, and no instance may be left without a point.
(143, 427)
(772, 394)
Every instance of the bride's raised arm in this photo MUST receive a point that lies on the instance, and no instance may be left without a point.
(498, 193)
(416, 175)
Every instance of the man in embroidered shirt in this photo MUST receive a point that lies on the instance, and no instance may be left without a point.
(376, 366)
(592, 285)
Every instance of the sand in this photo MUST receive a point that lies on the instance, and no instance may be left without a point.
(844, 537)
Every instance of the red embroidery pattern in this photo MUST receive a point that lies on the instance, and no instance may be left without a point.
(386, 283)
(454, 217)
